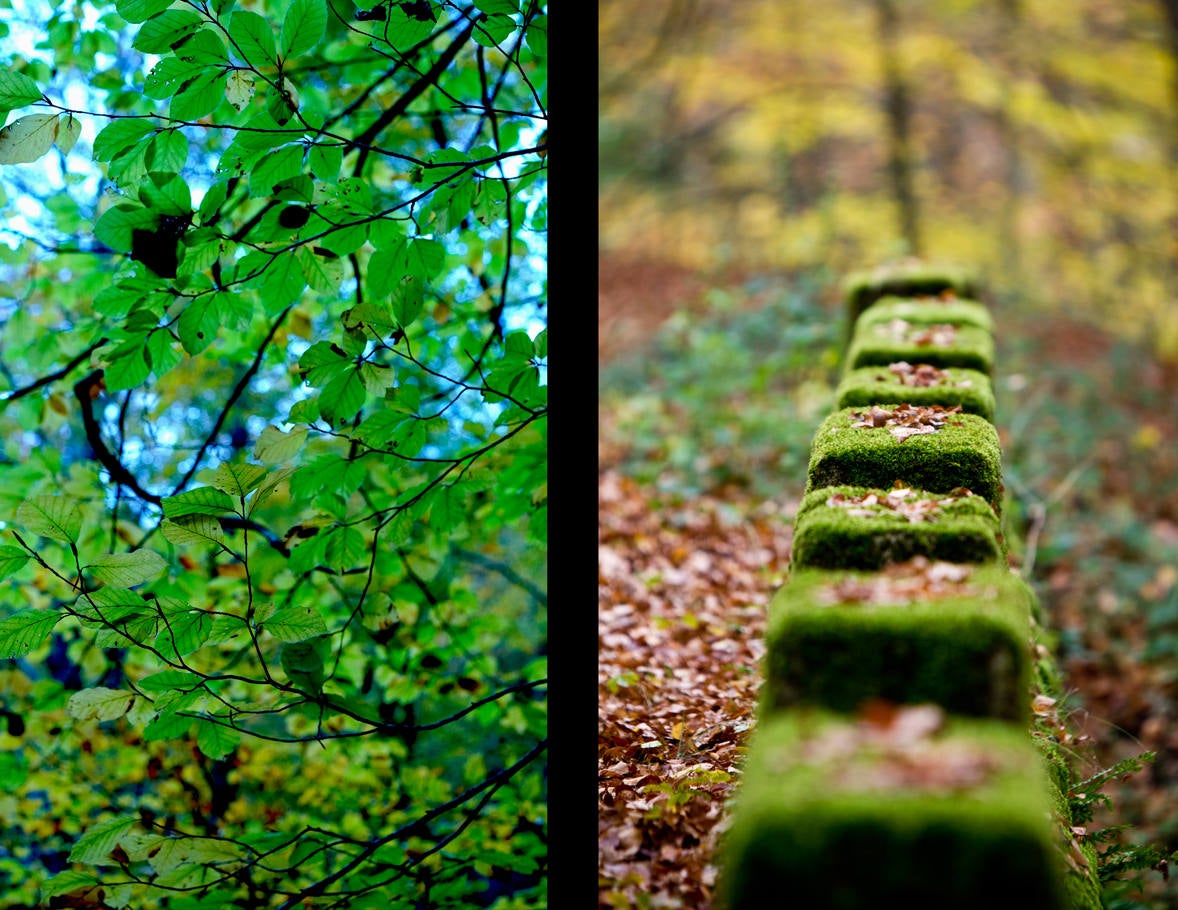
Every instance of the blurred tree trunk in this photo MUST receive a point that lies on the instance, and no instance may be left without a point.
(898, 109)
(1009, 29)
(1170, 8)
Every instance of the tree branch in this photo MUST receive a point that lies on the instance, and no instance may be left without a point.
(398, 107)
(85, 390)
(53, 377)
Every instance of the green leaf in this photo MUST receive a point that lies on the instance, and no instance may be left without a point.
(303, 27)
(96, 844)
(141, 10)
(162, 352)
(55, 517)
(119, 135)
(100, 703)
(295, 624)
(183, 631)
(200, 501)
(167, 151)
(68, 131)
(408, 298)
(497, 6)
(267, 489)
(253, 37)
(410, 437)
(193, 529)
(65, 882)
(282, 103)
(206, 48)
(167, 680)
(236, 479)
(127, 366)
(342, 398)
(200, 96)
(163, 32)
(175, 852)
(116, 226)
(536, 36)
(325, 162)
(323, 270)
(12, 560)
(346, 547)
(127, 569)
(282, 281)
(303, 663)
(275, 447)
(275, 167)
(493, 30)
(17, 90)
(24, 631)
(403, 30)
(170, 75)
(166, 726)
(216, 740)
(322, 362)
(198, 324)
(166, 193)
(28, 138)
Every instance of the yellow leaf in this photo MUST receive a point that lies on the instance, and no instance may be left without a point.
(28, 138)
(68, 131)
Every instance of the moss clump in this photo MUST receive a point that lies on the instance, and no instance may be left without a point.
(923, 384)
(860, 528)
(906, 279)
(874, 449)
(929, 310)
(954, 635)
(907, 809)
(937, 344)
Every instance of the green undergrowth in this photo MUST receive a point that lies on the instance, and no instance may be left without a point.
(726, 396)
(1092, 499)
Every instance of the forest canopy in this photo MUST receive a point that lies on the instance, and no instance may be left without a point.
(273, 484)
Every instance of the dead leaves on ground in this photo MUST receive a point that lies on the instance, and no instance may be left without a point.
(681, 605)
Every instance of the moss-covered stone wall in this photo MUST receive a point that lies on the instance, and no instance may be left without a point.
(896, 758)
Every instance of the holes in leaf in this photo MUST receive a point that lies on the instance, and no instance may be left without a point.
(294, 216)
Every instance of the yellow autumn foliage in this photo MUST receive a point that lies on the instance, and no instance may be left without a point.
(756, 137)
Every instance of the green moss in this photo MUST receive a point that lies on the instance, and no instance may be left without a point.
(859, 528)
(957, 636)
(964, 452)
(907, 279)
(941, 345)
(903, 383)
(834, 814)
(928, 310)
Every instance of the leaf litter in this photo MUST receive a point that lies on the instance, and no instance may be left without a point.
(681, 619)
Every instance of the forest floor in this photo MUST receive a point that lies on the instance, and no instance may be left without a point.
(708, 399)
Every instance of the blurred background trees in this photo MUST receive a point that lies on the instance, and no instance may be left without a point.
(1035, 140)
